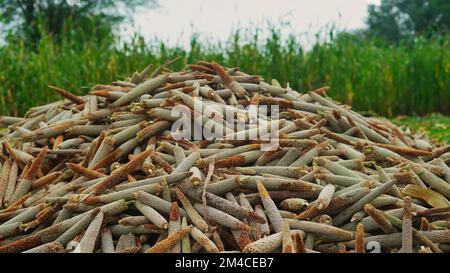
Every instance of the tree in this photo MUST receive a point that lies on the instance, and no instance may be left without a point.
(28, 18)
(398, 19)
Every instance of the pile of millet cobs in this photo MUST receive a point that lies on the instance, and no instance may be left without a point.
(107, 172)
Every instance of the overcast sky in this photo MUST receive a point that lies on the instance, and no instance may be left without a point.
(176, 20)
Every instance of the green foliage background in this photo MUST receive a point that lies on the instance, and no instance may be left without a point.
(403, 79)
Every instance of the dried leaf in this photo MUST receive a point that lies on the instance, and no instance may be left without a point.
(433, 198)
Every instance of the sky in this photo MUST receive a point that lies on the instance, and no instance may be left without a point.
(176, 20)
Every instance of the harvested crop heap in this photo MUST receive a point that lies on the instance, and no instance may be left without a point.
(104, 173)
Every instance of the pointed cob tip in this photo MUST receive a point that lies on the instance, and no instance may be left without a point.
(262, 190)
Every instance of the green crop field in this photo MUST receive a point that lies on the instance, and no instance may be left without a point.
(388, 80)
